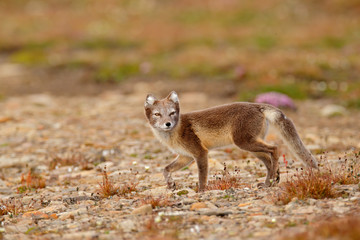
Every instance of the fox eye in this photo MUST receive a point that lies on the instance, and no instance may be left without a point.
(157, 114)
(172, 113)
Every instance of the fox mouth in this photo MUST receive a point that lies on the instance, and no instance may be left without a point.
(167, 129)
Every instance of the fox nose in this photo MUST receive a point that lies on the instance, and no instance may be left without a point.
(168, 124)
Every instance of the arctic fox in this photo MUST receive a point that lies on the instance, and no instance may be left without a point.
(192, 135)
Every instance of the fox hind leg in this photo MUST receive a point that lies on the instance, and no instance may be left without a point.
(266, 153)
(179, 163)
(266, 159)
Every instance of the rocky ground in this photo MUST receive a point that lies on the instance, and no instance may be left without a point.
(70, 141)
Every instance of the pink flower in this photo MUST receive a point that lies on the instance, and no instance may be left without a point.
(276, 99)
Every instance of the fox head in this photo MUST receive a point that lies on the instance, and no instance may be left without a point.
(164, 114)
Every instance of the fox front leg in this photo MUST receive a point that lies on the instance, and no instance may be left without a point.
(179, 163)
(202, 163)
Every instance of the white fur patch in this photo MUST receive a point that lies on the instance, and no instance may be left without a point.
(166, 140)
(150, 100)
(174, 97)
(271, 115)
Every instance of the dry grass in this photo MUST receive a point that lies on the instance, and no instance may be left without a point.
(11, 206)
(164, 230)
(349, 170)
(31, 181)
(346, 228)
(108, 188)
(157, 202)
(319, 184)
(225, 181)
(306, 183)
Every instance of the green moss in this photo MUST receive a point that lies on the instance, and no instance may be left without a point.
(198, 70)
(29, 57)
(243, 16)
(265, 42)
(192, 16)
(291, 224)
(104, 43)
(354, 103)
(31, 230)
(182, 192)
(333, 42)
(4, 144)
(148, 156)
(295, 91)
(77, 64)
(116, 74)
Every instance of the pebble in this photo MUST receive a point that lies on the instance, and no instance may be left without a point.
(333, 110)
(127, 225)
(70, 208)
(142, 210)
(198, 205)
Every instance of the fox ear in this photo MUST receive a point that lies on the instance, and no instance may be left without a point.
(150, 100)
(173, 97)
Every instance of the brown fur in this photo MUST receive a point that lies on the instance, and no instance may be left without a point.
(193, 134)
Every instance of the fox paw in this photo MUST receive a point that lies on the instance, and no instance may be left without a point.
(269, 183)
(171, 185)
(277, 177)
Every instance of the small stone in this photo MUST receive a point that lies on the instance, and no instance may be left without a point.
(353, 199)
(157, 192)
(105, 165)
(198, 205)
(145, 209)
(304, 210)
(333, 110)
(244, 204)
(290, 206)
(211, 205)
(128, 225)
(219, 213)
(35, 214)
(312, 201)
(157, 219)
(15, 228)
(66, 215)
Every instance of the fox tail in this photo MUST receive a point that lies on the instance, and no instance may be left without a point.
(289, 135)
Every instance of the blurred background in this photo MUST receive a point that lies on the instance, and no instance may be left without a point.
(228, 48)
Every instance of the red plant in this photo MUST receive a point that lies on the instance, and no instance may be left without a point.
(10, 206)
(304, 184)
(108, 188)
(161, 201)
(349, 170)
(335, 228)
(31, 181)
(285, 161)
(226, 181)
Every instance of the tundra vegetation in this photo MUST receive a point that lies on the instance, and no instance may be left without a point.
(77, 159)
